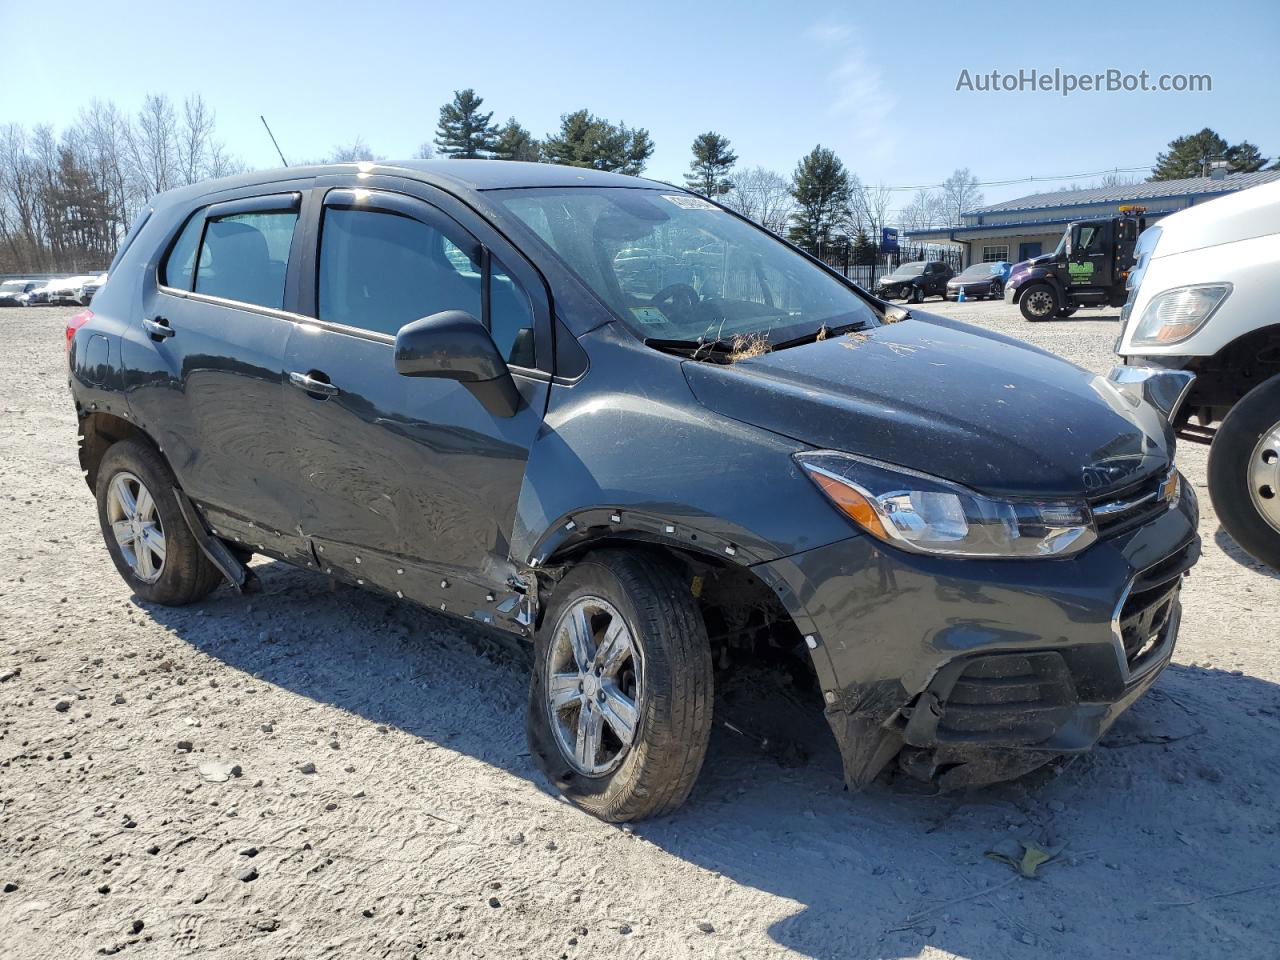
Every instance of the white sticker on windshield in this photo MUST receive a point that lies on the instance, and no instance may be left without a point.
(686, 202)
(651, 316)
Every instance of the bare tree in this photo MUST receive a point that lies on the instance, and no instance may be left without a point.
(763, 196)
(194, 140)
(425, 151)
(871, 208)
(923, 212)
(352, 152)
(152, 146)
(960, 194)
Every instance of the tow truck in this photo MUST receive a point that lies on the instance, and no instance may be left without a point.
(1089, 267)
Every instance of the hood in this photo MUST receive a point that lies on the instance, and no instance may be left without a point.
(1243, 215)
(893, 279)
(943, 398)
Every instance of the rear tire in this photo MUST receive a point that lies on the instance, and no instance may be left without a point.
(669, 682)
(1038, 302)
(145, 531)
(1244, 472)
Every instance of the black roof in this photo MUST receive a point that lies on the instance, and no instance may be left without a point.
(463, 174)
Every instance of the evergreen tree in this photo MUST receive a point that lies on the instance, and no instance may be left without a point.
(585, 140)
(516, 143)
(712, 161)
(1194, 154)
(823, 196)
(463, 131)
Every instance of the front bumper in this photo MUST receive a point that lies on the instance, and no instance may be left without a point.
(978, 670)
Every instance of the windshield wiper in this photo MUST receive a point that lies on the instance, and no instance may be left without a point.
(691, 347)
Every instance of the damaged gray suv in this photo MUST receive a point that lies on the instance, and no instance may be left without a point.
(620, 420)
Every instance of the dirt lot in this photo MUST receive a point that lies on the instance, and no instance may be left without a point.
(423, 830)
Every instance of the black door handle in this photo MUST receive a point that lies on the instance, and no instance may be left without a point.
(158, 327)
(311, 383)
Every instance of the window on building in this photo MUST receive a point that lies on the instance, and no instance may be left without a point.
(244, 256)
(995, 253)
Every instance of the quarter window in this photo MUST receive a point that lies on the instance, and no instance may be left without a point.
(379, 270)
(180, 266)
(244, 257)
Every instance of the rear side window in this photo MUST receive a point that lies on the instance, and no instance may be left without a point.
(244, 257)
(379, 270)
(179, 268)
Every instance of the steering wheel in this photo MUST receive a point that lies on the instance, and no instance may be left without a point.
(682, 297)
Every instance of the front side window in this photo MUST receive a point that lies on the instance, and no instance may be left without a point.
(244, 257)
(676, 267)
(379, 270)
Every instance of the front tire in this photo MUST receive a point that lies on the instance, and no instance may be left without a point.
(620, 698)
(1244, 472)
(916, 295)
(1038, 302)
(145, 531)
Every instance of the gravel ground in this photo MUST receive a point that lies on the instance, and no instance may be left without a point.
(314, 772)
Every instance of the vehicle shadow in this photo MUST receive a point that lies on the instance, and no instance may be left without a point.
(1159, 830)
(1227, 544)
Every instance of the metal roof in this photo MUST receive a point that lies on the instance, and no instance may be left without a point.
(1152, 189)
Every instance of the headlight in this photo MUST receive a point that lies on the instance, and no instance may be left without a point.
(1176, 314)
(925, 514)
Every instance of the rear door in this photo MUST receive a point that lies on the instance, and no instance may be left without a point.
(205, 364)
(410, 483)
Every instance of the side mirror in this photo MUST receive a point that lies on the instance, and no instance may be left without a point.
(454, 345)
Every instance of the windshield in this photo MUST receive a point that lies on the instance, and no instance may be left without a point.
(673, 266)
(913, 269)
(980, 270)
(12, 286)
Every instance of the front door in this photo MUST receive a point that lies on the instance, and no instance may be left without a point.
(207, 384)
(1090, 262)
(408, 483)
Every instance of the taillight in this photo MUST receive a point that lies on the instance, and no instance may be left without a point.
(75, 323)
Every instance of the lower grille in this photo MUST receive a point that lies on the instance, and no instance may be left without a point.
(1012, 699)
(1147, 612)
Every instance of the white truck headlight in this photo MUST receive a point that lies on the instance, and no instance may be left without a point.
(925, 514)
(1177, 313)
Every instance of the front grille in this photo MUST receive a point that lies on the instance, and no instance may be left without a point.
(1147, 612)
(1010, 699)
(1130, 507)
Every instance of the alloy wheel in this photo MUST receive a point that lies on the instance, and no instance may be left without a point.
(594, 686)
(1264, 476)
(135, 522)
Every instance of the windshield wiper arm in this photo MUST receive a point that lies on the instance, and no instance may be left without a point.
(693, 346)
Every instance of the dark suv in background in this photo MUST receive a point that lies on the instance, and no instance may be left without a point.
(618, 419)
(916, 280)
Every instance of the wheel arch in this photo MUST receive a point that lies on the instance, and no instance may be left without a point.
(1236, 370)
(99, 431)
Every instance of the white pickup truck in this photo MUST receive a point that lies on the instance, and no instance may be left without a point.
(1204, 297)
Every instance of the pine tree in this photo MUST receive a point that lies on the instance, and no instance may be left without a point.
(712, 161)
(823, 196)
(516, 143)
(464, 132)
(585, 140)
(1194, 155)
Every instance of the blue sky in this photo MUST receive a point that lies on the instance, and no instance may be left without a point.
(875, 81)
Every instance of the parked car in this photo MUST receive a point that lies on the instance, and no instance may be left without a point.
(974, 547)
(916, 280)
(1202, 298)
(89, 288)
(69, 291)
(14, 293)
(40, 296)
(980, 281)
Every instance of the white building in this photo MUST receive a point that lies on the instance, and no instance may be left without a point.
(1029, 226)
